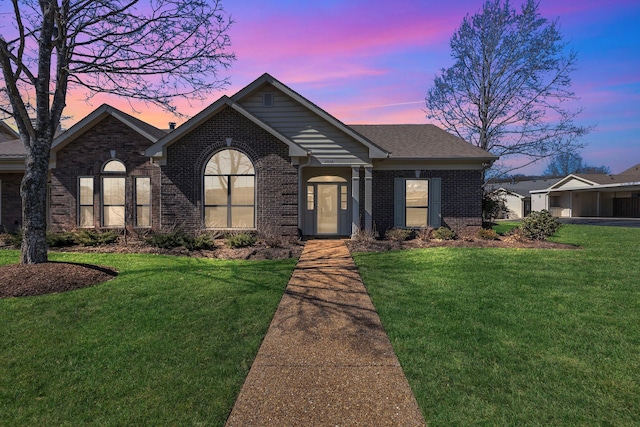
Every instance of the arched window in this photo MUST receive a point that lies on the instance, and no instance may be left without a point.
(114, 166)
(229, 191)
(113, 194)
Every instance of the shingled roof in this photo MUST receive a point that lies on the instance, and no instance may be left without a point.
(420, 141)
(12, 149)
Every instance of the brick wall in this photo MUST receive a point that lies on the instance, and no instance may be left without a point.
(276, 178)
(461, 198)
(11, 204)
(85, 156)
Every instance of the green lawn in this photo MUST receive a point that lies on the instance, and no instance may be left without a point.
(168, 342)
(517, 336)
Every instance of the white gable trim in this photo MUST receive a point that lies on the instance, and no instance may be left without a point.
(159, 149)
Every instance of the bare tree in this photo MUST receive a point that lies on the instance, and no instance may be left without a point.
(153, 51)
(564, 164)
(506, 89)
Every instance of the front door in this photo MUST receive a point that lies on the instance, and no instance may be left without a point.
(327, 207)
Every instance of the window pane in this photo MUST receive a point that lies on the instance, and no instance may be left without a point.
(416, 192)
(113, 191)
(215, 190)
(242, 217)
(343, 198)
(242, 190)
(143, 191)
(310, 198)
(143, 216)
(229, 162)
(86, 216)
(86, 191)
(327, 178)
(114, 166)
(113, 216)
(215, 217)
(416, 217)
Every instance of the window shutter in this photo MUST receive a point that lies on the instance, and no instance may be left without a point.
(399, 196)
(435, 202)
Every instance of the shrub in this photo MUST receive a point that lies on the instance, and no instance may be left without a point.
(493, 205)
(366, 236)
(269, 235)
(487, 234)
(96, 238)
(61, 240)
(240, 240)
(443, 233)
(203, 242)
(539, 225)
(168, 240)
(424, 234)
(14, 239)
(398, 234)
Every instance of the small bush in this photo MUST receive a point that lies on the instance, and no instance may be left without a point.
(169, 240)
(96, 238)
(203, 242)
(539, 225)
(487, 234)
(366, 236)
(424, 234)
(14, 239)
(270, 236)
(443, 233)
(240, 240)
(61, 240)
(398, 234)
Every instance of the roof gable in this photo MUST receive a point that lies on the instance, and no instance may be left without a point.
(159, 149)
(144, 129)
(373, 151)
(572, 181)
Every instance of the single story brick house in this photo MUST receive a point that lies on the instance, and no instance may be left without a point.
(264, 158)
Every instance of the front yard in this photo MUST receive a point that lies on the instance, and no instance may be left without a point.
(486, 336)
(517, 336)
(167, 342)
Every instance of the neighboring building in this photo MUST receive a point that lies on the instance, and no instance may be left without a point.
(263, 158)
(516, 195)
(592, 195)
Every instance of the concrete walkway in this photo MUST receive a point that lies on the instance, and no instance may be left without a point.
(326, 360)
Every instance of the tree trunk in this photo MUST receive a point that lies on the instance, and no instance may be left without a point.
(33, 192)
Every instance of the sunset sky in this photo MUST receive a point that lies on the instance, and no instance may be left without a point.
(372, 61)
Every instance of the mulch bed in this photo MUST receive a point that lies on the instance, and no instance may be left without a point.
(17, 280)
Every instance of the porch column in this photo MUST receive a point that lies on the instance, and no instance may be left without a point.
(355, 200)
(368, 194)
